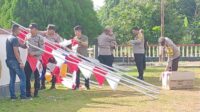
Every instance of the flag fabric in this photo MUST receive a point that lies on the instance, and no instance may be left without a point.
(56, 72)
(39, 68)
(86, 70)
(74, 79)
(72, 66)
(113, 81)
(65, 43)
(74, 45)
(100, 75)
(67, 82)
(49, 48)
(22, 35)
(59, 57)
(32, 62)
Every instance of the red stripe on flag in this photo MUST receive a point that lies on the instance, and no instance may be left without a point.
(22, 35)
(99, 75)
(72, 67)
(56, 72)
(74, 42)
(32, 62)
(49, 48)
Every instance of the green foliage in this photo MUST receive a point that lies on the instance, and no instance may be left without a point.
(65, 14)
(181, 19)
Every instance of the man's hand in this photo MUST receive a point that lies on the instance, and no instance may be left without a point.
(21, 65)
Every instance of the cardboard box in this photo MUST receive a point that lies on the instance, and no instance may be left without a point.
(177, 80)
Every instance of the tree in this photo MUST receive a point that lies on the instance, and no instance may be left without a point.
(146, 14)
(65, 14)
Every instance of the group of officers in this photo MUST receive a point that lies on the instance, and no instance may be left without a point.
(106, 44)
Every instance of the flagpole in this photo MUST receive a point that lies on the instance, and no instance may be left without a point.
(100, 64)
(104, 76)
(119, 76)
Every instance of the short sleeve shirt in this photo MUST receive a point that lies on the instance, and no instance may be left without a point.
(11, 42)
(82, 49)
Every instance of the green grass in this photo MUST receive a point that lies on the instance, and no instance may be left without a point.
(106, 100)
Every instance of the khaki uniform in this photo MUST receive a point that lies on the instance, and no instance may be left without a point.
(172, 51)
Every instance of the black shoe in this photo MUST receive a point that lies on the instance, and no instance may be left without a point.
(25, 98)
(42, 87)
(52, 87)
(13, 98)
(88, 88)
(36, 94)
(29, 95)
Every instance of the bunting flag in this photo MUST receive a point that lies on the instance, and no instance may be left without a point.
(56, 72)
(60, 58)
(85, 70)
(39, 68)
(67, 82)
(74, 45)
(32, 62)
(22, 35)
(51, 67)
(74, 79)
(63, 70)
(72, 66)
(99, 75)
(113, 81)
(65, 43)
(49, 48)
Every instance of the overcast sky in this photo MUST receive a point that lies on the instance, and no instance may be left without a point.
(98, 4)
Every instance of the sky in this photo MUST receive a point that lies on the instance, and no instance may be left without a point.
(98, 4)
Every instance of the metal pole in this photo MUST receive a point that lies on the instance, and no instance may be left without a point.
(162, 18)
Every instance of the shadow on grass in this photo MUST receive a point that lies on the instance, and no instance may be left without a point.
(62, 100)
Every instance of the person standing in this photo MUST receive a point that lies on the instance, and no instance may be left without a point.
(113, 44)
(139, 51)
(34, 39)
(172, 52)
(52, 36)
(82, 50)
(105, 47)
(15, 64)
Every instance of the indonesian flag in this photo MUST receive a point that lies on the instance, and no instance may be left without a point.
(74, 45)
(49, 48)
(100, 75)
(72, 66)
(32, 62)
(67, 82)
(86, 70)
(22, 35)
(113, 80)
(65, 43)
(56, 72)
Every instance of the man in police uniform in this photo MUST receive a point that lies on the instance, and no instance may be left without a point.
(172, 52)
(82, 50)
(139, 51)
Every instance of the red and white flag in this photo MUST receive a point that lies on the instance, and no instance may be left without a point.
(100, 75)
(113, 80)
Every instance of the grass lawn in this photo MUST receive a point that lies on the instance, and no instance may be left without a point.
(106, 100)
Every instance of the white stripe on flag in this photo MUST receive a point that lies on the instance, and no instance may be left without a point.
(113, 81)
(67, 82)
(65, 43)
(85, 70)
(60, 59)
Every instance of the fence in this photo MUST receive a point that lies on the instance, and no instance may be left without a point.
(189, 52)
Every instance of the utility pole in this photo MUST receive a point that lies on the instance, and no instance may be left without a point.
(162, 30)
(162, 15)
